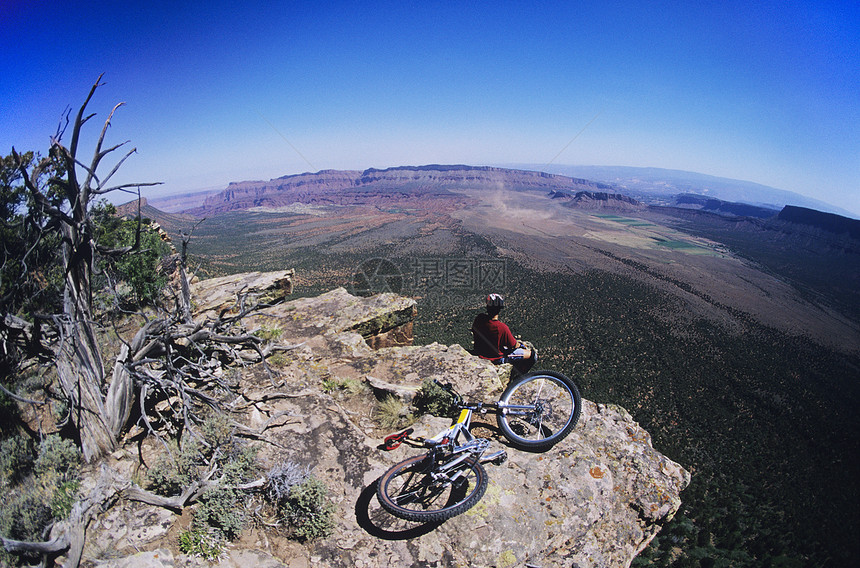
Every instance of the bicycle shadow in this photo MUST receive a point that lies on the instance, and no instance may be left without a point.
(377, 522)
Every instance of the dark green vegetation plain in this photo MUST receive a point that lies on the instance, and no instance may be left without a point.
(766, 422)
(824, 267)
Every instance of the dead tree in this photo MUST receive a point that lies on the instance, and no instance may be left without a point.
(78, 357)
(171, 357)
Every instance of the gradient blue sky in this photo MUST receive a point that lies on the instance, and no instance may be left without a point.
(224, 91)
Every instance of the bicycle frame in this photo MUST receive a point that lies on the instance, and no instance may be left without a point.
(448, 440)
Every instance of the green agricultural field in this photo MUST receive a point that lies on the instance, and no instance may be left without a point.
(627, 221)
(644, 234)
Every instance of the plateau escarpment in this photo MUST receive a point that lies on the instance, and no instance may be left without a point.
(383, 187)
(829, 222)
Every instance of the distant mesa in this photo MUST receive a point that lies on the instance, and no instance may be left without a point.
(829, 222)
(380, 187)
(441, 188)
(729, 208)
(657, 186)
(597, 200)
(131, 208)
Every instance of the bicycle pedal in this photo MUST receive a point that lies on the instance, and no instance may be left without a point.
(496, 458)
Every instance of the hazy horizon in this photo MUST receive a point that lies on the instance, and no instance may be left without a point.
(764, 92)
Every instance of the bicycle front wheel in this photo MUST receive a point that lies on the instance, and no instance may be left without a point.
(414, 490)
(538, 410)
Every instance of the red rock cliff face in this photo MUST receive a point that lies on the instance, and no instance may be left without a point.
(382, 187)
(302, 188)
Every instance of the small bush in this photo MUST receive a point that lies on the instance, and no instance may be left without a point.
(200, 542)
(64, 497)
(217, 430)
(301, 501)
(269, 333)
(16, 459)
(9, 411)
(282, 478)
(308, 510)
(221, 512)
(26, 512)
(352, 387)
(42, 485)
(240, 464)
(220, 515)
(175, 469)
(433, 399)
(278, 359)
(58, 455)
(355, 387)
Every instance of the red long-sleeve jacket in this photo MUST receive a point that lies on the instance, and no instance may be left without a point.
(492, 338)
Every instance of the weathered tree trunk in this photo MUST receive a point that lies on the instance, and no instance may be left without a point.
(79, 363)
(118, 401)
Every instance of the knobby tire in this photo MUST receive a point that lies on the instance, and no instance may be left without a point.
(408, 491)
(556, 402)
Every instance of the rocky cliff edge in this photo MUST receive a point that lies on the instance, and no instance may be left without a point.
(595, 499)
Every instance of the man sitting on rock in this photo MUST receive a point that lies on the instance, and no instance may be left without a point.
(493, 339)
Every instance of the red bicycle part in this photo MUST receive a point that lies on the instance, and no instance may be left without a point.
(394, 440)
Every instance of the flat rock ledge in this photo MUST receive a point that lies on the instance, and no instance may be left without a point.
(594, 500)
(216, 294)
(383, 320)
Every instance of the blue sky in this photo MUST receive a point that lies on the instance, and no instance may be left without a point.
(217, 92)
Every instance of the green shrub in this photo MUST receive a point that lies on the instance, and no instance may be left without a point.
(220, 511)
(200, 542)
(56, 454)
(269, 333)
(282, 478)
(9, 411)
(216, 429)
(301, 501)
(16, 459)
(64, 497)
(41, 487)
(352, 387)
(308, 510)
(391, 412)
(433, 399)
(175, 469)
(27, 511)
(277, 359)
(137, 269)
(240, 464)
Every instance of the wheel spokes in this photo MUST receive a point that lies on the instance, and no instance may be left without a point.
(541, 395)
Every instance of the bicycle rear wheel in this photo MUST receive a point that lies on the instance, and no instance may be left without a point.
(539, 410)
(410, 491)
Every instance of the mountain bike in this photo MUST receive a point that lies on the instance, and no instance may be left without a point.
(535, 412)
